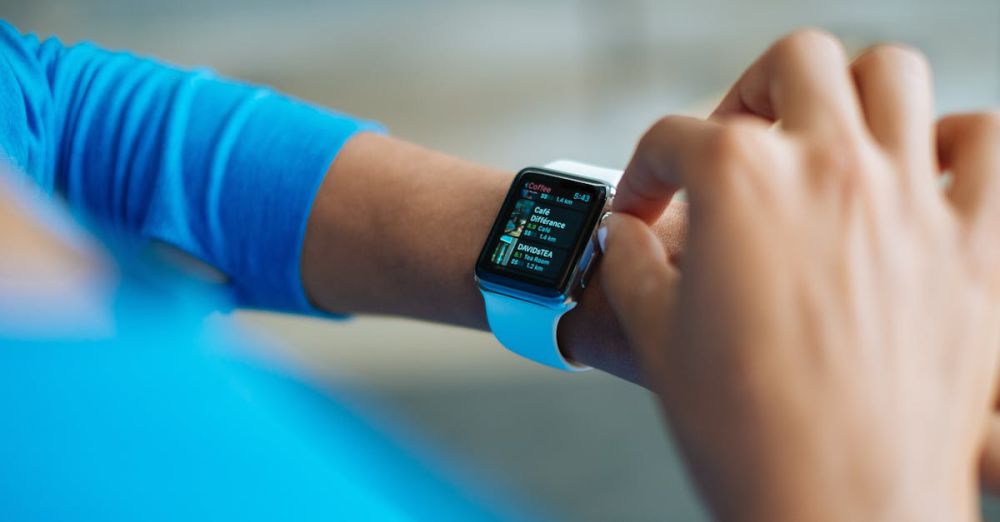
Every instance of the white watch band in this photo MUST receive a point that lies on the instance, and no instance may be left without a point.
(610, 176)
(529, 329)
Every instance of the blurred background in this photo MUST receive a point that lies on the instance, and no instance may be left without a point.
(509, 84)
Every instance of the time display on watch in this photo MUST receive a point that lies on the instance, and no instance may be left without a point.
(542, 228)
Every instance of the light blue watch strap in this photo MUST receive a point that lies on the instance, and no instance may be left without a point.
(529, 329)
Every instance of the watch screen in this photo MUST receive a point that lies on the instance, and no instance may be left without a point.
(542, 230)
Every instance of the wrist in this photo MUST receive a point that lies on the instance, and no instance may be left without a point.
(395, 230)
(590, 333)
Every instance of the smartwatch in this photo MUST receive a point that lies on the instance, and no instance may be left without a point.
(539, 253)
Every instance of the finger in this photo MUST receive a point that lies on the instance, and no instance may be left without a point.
(989, 462)
(661, 165)
(703, 157)
(672, 230)
(895, 90)
(641, 286)
(969, 147)
(803, 81)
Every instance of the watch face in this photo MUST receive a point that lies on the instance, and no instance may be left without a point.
(541, 232)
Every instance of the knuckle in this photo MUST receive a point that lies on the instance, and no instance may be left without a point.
(725, 142)
(730, 151)
(985, 124)
(835, 159)
(809, 43)
(843, 165)
(895, 56)
(658, 129)
(669, 121)
(969, 134)
(726, 146)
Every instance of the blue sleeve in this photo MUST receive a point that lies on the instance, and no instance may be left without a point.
(224, 171)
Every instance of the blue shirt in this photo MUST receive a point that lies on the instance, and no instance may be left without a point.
(164, 419)
(224, 171)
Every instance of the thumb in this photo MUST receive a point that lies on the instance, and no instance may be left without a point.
(641, 287)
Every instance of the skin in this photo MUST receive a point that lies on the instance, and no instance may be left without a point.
(388, 235)
(830, 351)
(395, 189)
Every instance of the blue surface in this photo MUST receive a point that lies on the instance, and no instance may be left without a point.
(165, 420)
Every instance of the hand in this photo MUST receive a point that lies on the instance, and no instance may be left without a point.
(831, 349)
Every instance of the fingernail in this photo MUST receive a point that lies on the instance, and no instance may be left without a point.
(602, 235)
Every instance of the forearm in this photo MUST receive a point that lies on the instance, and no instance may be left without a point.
(395, 229)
